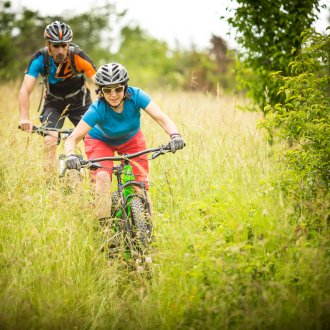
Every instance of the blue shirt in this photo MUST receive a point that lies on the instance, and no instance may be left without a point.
(61, 78)
(117, 128)
(36, 67)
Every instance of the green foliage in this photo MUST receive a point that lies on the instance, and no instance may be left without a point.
(268, 31)
(145, 57)
(227, 250)
(24, 35)
(303, 118)
(208, 71)
(150, 62)
(92, 30)
(6, 26)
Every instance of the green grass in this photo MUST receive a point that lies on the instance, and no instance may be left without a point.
(229, 252)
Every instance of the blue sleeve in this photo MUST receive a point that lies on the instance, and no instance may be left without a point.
(36, 67)
(92, 116)
(142, 99)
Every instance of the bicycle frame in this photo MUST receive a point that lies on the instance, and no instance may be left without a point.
(133, 210)
(125, 184)
(124, 173)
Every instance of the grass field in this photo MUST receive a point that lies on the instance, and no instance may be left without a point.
(229, 252)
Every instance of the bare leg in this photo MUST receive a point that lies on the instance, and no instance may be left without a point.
(50, 144)
(150, 203)
(102, 195)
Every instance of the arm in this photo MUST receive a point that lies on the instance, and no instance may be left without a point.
(76, 136)
(168, 125)
(24, 102)
(161, 118)
(85, 65)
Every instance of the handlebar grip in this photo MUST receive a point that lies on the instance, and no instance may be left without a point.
(168, 147)
(34, 128)
(83, 162)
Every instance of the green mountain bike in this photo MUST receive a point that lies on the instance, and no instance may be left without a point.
(130, 208)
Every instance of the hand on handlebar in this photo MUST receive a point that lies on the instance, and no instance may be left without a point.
(176, 142)
(72, 162)
(26, 125)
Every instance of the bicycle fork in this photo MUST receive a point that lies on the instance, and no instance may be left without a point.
(126, 190)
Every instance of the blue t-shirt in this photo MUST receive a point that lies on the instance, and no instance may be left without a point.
(61, 78)
(117, 128)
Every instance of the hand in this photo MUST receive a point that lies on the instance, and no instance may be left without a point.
(25, 125)
(176, 142)
(72, 162)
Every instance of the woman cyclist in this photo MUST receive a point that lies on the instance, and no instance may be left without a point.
(112, 124)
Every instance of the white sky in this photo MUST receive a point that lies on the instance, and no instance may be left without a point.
(184, 21)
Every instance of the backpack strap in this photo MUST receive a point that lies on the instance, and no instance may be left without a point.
(46, 61)
(44, 52)
(73, 49)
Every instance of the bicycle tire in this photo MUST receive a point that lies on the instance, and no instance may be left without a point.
(115, 203)
(141, 222)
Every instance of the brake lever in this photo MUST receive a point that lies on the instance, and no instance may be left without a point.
(94, 166)
(90, 165)
(156, 154)
(162, 150)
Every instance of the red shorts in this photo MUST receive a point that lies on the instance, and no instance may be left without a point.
(95, 148)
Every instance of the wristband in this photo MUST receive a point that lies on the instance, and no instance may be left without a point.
(173, 135)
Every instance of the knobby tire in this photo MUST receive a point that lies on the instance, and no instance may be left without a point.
(141, 224)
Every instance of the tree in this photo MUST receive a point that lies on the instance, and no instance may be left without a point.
(304, 115)
(6, 27)
(147, 59)
(269, 33)
(304, 118)
(22, 33)
(206, 70)
(150, 61)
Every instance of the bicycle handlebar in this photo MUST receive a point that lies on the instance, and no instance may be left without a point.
(94, 163)
(44, 131)
(156, 152)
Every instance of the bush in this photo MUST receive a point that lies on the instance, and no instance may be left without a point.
(303, 120)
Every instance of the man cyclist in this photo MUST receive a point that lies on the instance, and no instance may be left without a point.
(67, 94)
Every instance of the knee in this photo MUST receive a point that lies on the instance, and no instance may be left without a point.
(50, 141)
(103, 177)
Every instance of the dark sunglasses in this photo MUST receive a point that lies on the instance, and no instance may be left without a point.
(117, 90)
(60, 45)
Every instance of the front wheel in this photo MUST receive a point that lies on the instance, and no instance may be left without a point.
(141, 223)
(115, 203)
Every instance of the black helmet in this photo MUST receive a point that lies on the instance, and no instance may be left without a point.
(110, 74)
(58, 32)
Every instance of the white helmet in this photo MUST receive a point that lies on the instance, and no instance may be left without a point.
(111, 74)
(58, 32)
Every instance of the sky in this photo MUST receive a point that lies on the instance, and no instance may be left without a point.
(183, 22)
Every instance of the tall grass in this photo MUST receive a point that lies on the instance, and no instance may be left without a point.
(228, 252)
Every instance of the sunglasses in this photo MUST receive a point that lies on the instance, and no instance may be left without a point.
(60, 45)
(117, 90)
